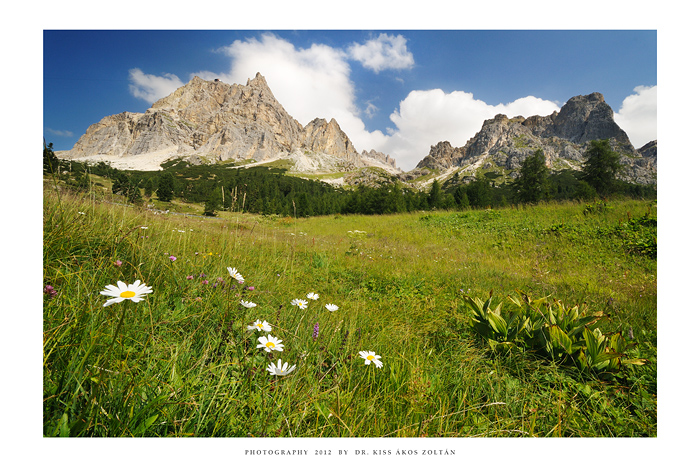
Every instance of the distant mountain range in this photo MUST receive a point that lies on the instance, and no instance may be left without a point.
(210, 121)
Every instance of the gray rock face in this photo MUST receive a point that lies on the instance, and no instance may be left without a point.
(442, 156)
(207, 121)
(648, 151)
(563, 137)
(380, 157)
(588, 118)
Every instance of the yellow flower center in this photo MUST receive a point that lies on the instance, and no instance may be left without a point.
(270, 345)
(127, 294)
(259, 326)
(370, 357)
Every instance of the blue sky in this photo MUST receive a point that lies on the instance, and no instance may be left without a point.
(396, 91)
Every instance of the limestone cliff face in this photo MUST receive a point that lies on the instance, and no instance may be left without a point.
(442, 156)
(503, 143)
(206, 121)
(327, 137)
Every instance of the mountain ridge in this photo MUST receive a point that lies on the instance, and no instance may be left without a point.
(210, 121)
(502, 143)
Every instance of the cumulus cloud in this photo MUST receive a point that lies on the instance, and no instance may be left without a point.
(309, 83)
(637, 115)
(425, 118)
(150, 87)
(382, 53)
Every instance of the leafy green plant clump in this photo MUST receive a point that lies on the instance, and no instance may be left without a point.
(551, 330)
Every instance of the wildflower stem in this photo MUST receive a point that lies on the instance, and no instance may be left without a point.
(116, 331)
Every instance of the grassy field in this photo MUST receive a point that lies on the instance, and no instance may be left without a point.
(184, 363)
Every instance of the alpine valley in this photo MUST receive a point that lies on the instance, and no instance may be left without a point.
(208, 122)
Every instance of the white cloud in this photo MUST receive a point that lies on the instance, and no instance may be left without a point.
(425, 118)
(637, 115)
(309, 83)
(150, 87)
(371, 110)
(383, 53)
(65, 133)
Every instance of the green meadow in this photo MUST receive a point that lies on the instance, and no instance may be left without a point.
(183, 363)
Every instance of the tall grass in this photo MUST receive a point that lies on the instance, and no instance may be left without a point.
(183, 363)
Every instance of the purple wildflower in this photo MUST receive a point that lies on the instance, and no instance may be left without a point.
(172, 258)
(118, 263)
(50, 291)
(189, 278)
(315, 334)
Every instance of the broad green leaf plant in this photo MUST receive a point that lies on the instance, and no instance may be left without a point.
(551, 330)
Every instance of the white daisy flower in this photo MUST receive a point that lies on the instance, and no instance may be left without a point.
(260, 326)
(121, 292)
(248, 304)
(300, 303)
(280, 370)
(371, 357)
(312, 296)
(331, 307)
(270, 343)
(235, 274)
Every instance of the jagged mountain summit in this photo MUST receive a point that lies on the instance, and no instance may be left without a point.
(208, 121)
(503, 143)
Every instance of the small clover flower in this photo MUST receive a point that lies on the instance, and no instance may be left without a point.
(50, 291)
(172, 258)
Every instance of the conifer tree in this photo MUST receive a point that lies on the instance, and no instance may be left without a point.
(166, 187)
(148, 188)
(212, 203)
(601, 167)
(532, 185)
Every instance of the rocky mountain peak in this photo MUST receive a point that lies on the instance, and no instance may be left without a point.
(503, 143)
(258, 82)
(587, 118)
(442, 156)
(207, 121)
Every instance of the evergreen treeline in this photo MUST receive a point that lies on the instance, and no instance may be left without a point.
(269, 191)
